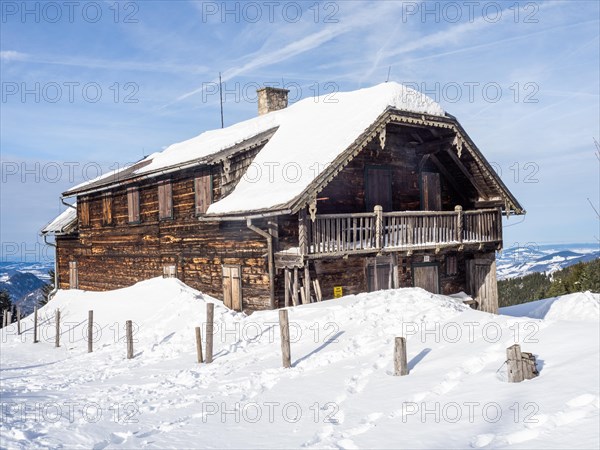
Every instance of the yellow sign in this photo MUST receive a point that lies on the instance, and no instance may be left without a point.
(337, 292)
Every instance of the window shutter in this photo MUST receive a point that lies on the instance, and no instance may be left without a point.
(133, 204)
(107, 213)
(203, 190)
(165, 200)
(84, 212)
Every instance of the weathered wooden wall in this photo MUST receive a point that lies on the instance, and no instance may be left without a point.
(123, 253)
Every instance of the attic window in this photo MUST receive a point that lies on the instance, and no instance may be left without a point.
(203, 192)
(133, 204)
(107, 209)
(165, 200)
(84, 212)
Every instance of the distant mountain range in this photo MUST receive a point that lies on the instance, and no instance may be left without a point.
(518, 261)
(23, 281)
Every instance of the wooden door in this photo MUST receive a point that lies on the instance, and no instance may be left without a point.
(379, 276)
(482, 283)
(232, 287)
(426, 276)
(378, 188)
(431, 194)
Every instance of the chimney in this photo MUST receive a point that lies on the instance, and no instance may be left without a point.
(271, 99)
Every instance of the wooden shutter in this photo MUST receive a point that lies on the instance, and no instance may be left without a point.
(73, 275)
(107, 209)
(165, 200)
(133, 204)
(203, 191)
(84, 212)
(426, 277)
(431, 195)
(232, 287)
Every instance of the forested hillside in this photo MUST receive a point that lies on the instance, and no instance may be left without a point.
(579, 277)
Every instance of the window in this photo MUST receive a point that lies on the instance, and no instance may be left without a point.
(165, 200)
(107, 209)
(133, 204)
(84, 212)
(451, 265)
(203, 191)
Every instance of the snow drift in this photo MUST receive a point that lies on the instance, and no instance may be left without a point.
(340, 392)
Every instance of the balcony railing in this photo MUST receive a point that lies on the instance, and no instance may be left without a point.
(408, 230)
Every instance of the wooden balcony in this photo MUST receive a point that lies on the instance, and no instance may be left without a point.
(342, 234)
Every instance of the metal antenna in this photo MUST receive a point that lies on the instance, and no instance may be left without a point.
(388, 77)
(221, 98)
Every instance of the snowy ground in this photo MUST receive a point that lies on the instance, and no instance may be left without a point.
(340, 392)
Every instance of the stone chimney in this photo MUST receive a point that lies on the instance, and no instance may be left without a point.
(271, 99)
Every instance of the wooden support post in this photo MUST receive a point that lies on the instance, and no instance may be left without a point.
(35, 325)
(378, 226)
(8, 317)
(287, 286)
(57, 337)
(210, 317)
(303, 232)
(459, 223)
(284, 328)
(90, 332)
(317, 287)
(400, 364)
(129, 335)
(199, 344)
(18, 320)
(4, 312)
(306, 283)
(295, 288)
(514, 363)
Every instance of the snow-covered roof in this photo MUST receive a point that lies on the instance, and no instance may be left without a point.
(309, 135)
(63, 223)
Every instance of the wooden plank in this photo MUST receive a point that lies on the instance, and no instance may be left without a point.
(306, 283)
(227, 287)
(514, 364)
(295, 288)
(287, 286)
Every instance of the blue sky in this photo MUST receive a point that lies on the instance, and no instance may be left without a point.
(88, 86)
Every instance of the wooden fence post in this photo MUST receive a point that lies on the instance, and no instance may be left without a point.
(8, 317)
(57, 338)
(400, 364)
(18, 320)
(514, 363)
(199, 344)
(90, 331)
(378, 226)
(284, 328)
(210, 317)
(35, 325)
(129, 334)
(4, 311)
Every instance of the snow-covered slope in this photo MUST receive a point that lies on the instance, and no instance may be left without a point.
(521, 260)
(340, 392)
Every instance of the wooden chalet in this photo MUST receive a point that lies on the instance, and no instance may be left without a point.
(374, 189)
